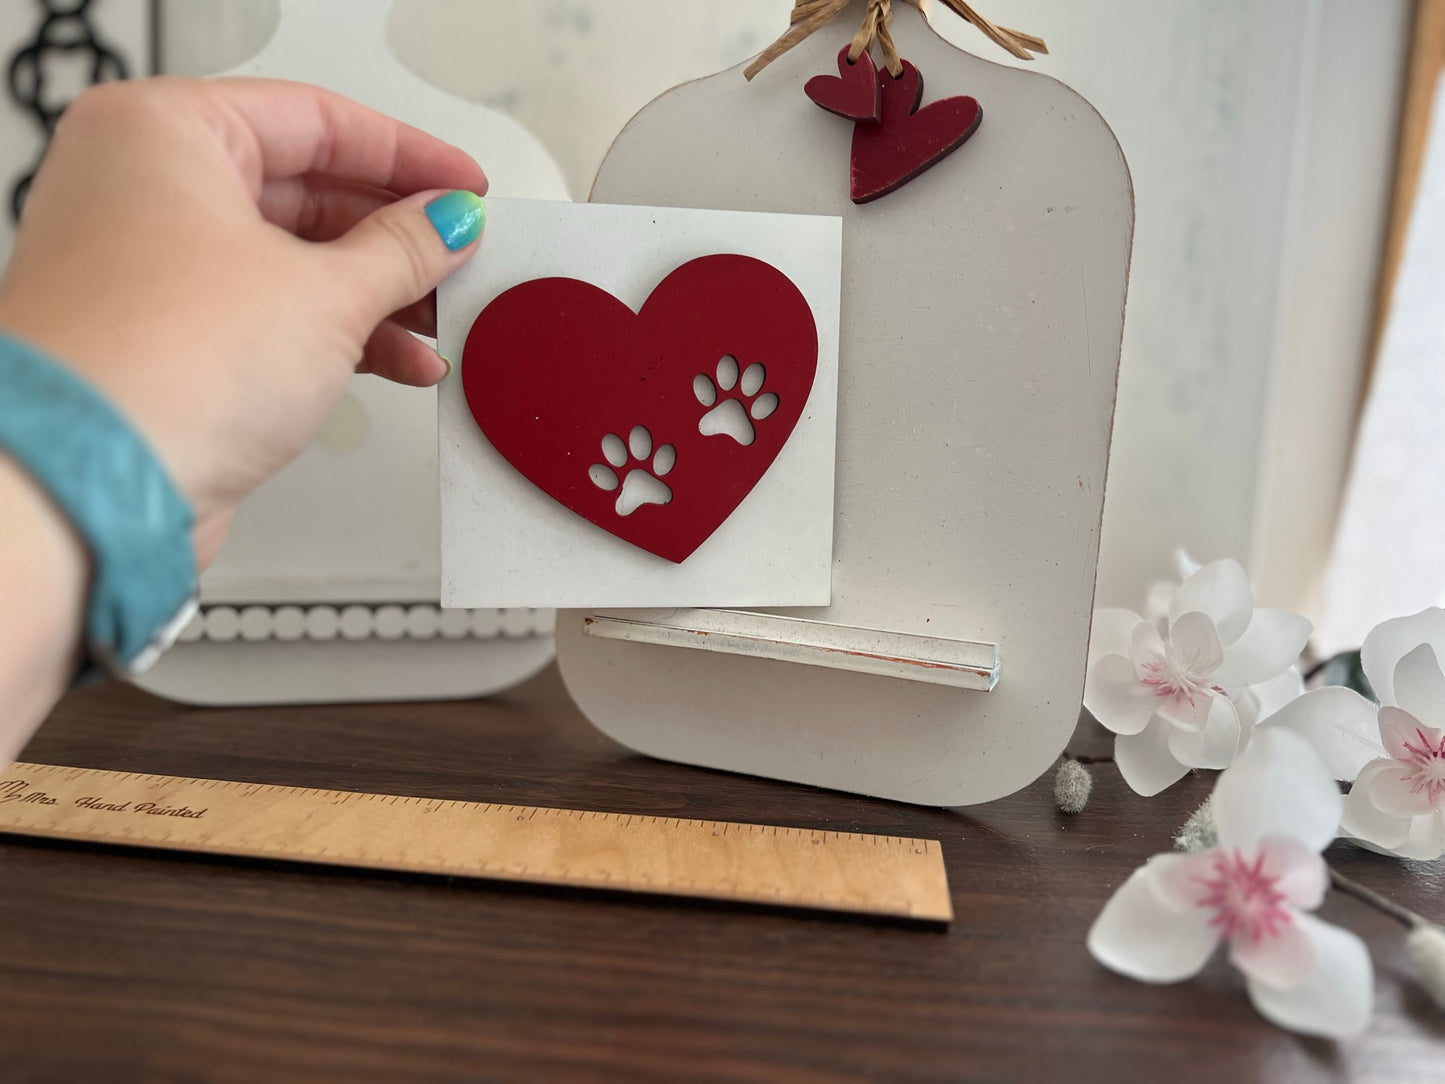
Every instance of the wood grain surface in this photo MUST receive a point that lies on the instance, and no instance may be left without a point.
(121, 965)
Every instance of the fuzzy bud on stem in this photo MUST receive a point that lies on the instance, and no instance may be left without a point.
(1426, 949)
(1072, 786)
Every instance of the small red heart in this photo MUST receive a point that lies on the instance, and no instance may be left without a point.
(559, 374)
(907, 140)
(852, 93)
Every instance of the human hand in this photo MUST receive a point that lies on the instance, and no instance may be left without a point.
(220, 256)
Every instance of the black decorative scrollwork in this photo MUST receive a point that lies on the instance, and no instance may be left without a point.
(64, 32)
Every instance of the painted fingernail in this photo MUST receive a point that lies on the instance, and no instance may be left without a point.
(448, 363)
(459, 217)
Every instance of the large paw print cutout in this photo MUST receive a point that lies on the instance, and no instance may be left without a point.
(643, 483)
(728, 414)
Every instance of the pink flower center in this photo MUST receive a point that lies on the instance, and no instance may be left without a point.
(1244, 898)
(1172, 680)
(1425, 766)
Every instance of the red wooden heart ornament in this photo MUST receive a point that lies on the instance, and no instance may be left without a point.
(853, 93)
(907, 140)
(653, 425)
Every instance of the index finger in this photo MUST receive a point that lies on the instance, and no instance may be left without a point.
(275, 128)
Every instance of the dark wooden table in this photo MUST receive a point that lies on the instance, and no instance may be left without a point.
(123, 965)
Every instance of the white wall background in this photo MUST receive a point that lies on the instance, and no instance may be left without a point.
(1387, 559)
(1260, 138)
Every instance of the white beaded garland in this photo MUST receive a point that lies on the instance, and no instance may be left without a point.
(288, 623)
(389, 623)
(255, 624)
(258, 624)
(421, 622)
(356, 622)
(222, 624)
(322, 623)
(486, 623)
(455, 624)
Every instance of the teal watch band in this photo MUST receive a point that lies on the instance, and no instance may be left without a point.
(101, 473)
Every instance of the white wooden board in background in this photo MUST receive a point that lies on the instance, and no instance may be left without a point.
(982, 316)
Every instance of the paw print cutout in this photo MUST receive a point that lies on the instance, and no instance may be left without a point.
(730, 416)
(643, 483)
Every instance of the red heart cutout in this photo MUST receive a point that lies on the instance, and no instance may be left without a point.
(558, 373)
(907, 140)
(852, 93)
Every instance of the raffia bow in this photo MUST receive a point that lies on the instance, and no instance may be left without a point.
(811, 15)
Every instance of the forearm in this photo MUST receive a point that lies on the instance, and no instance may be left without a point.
(43, 574)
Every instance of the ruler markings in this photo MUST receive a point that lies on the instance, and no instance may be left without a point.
(713, 859)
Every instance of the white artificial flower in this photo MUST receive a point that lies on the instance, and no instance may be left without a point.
(1184, 690)
(1394, 751)
(1253, 702)
(1275, 809)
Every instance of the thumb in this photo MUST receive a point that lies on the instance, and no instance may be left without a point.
(396, 255)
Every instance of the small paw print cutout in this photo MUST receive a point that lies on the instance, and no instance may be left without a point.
(643, 483)
(729, 416)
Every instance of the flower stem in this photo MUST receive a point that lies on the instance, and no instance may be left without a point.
(1406, 917)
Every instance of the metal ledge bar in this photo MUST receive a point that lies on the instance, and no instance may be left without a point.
(963, 664)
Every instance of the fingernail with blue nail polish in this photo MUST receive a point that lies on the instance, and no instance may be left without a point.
(459, 217)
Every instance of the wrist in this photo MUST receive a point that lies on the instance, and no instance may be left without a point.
(39, 322)
(44, 573)
(98, 471)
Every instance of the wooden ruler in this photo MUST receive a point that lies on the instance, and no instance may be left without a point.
(722, 860)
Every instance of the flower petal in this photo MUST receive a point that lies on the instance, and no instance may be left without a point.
(1221, 591)
(1364, 820)
(1403, 735)
(1272, 643)
(1144, 759)
(1248, 709)
(1284, 687)
(1301, 874)
(1113, 695)
(1426, 841)
(1394, 790)
(1181, 880)
(1261, 700)
(1194, 649)
(1284, 958)
(1157, 602)
(1338, 722)
(1137, 935)
(1277, 786)
(1335, 998)
(1109, 632)
(1420, 687)
(1215, 744)
(1195, 642)
(1184, 565)
(1186, 711)
(1146, 649)
(1390, 641)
